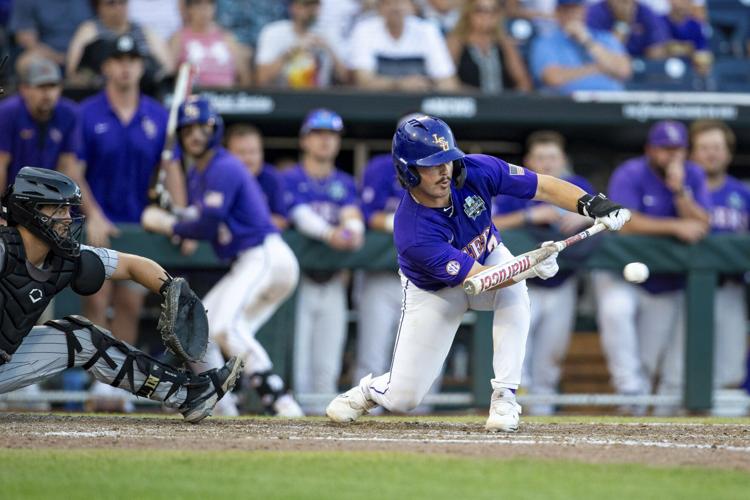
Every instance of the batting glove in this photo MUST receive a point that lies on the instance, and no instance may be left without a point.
(548, 267)
(603, 210)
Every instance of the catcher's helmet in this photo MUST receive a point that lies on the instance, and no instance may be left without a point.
(197, 109)
(35, 187)
(425, 141)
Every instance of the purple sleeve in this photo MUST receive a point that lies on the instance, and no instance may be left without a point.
(623, 190)
(656, 27)
(698, 35)
(516, 181)
(351, 197)
(213, 207)
(276, 200)
(598, 17)
(441, 262)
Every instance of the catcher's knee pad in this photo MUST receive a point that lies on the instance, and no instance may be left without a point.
(154, 370)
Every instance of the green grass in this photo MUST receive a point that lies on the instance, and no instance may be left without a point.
(131, 474)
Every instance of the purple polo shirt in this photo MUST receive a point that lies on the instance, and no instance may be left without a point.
(647, 28)
(230, 209)
(381, 191)
(730, 207)
(638, 186)
(273, 189)
(30, 143)
(325, 196)
(438, 246)
(121, 157)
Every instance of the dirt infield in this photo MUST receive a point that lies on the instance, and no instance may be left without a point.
(666, 444)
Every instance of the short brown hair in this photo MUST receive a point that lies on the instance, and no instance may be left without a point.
(241, 130)
(700, 126)
(545, 137)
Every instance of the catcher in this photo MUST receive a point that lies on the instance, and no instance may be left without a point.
(40, 255)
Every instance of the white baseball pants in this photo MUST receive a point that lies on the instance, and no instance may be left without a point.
(730, 335)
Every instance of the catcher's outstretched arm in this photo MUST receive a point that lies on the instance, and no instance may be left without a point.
(141, 270)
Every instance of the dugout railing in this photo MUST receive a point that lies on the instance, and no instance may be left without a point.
(702, 263)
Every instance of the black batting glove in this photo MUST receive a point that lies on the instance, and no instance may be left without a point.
(596, 206)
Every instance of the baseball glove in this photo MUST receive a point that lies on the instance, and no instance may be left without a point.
(183, 323)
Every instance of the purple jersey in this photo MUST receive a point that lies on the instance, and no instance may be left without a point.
(688, 30)
(30, 143)
(273, 188)
(646, 30)
(730, 206)
(637, 186)
(120, 157)
(230, 208)
(381, 191)
(325, 196)
(438, 246)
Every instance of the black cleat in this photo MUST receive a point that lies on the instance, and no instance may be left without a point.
(208, 388)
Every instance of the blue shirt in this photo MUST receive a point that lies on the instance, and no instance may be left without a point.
(30, 143)
(646, 30)
(273, 189)
(438, 246)
(730, 207)
(504, 205)
(121, 157)
(229, 208)
(555, 48)
(689, 30)
(381, 191)
(325, 196)
(55, 22)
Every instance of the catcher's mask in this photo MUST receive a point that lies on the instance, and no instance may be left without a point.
(36, 188)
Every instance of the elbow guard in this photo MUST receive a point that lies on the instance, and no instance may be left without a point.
(89, 274)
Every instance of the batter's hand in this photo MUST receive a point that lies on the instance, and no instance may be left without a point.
(603, 210)
(548, 267)
(158, 220)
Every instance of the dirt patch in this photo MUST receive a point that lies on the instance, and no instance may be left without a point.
(704, 445)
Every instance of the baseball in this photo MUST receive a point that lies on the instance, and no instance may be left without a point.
(636, 272)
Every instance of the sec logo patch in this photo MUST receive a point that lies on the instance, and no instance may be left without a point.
(453, 267)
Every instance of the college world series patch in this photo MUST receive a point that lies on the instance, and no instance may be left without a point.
(473, 206)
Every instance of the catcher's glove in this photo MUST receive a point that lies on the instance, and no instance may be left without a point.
(183, 322)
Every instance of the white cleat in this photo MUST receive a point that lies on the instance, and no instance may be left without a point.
(351, 405)
(287, 407)
(504, 412)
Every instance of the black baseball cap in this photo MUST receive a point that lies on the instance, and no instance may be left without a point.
(123, 45)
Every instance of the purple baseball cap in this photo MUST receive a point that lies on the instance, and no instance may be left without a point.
(668, 134)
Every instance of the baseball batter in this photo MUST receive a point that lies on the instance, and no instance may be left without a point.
(712, 145)
(642, 326)
(323, 205)
(39, 256)
(227, 207)
(444, 233)
(553, 301)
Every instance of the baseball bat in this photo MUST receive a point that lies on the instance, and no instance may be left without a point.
(496, 276)
(182, 88)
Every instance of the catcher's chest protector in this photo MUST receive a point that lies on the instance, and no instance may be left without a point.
(22, 298)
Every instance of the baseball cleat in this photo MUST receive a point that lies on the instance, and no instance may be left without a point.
(504, 412)
(286, 407)
(211, 387)
(351, 405)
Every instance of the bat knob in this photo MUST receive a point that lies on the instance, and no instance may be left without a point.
(470, 288)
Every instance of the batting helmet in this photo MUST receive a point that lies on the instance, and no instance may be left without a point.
(197, 109)
(34, 187)
(322, 119)
(425, 141)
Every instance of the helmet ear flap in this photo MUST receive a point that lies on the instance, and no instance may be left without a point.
(459, 173)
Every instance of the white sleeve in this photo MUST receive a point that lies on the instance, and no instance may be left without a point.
(439, 62)
(109, 258)
(310, 223)
(271, 44)
(361, 49)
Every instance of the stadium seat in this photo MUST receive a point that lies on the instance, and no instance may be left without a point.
(729, 22)
(671, 74)
(732, 75)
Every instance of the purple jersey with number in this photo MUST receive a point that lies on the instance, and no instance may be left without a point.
(325, 196)
(273, 188)
(730, 206)
(638, 186)
(381, 191)
(438, 246)
(229, 208)
(30, 143)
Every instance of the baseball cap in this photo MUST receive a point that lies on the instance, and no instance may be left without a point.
(123, 45)
(668, 134)
(322, 119)
(562, 3)
(41, 71)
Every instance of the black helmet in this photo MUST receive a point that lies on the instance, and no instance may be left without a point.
(35, 187)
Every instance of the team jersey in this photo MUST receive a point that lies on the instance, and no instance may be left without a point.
(29, 142)
(438, 246)
(228, 207)
(273, 188)
(381, 191)
(637, 186)
(325, 196)
(120, 157)
(504, 205)
(730, 205)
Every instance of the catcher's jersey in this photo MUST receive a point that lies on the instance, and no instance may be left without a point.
(438, 246)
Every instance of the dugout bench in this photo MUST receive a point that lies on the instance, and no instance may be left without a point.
(702, 263)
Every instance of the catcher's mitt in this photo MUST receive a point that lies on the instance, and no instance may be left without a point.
(183, 322)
